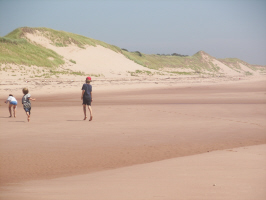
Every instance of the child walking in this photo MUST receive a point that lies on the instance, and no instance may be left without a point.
(12, 103)
(26, 102)
(86, 96)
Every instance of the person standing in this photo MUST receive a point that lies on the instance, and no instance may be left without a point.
(86, 96)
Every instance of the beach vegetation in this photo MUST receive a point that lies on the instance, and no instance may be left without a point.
(73, 61)
(247, 73)
(63, 39)
(66, 72)
(14, 48)
(21, 52)
(138, 53)
(159, 62)
(234, 63)
(140, 72)
(181, 73)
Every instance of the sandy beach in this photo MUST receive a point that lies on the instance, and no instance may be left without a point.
(161, 134)
(224, 174)
(192, 141)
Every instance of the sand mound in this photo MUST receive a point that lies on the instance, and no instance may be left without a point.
(91, 60)
(247, 69)
(222, 67)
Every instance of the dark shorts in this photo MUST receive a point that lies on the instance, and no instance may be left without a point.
(27, 109)
(86, 102)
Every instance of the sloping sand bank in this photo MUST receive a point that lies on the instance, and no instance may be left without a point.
(238, 174)
(91, 60)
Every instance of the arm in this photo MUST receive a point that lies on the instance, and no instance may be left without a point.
(91, 97)
(31, 99)
(7, 100)
(82, 93)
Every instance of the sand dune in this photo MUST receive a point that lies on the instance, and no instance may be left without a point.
(223, 68)
(91, 60)
(246, 69)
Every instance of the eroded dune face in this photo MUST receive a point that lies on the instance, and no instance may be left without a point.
(92, 60)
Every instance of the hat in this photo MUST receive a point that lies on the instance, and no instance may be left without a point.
(88, 78)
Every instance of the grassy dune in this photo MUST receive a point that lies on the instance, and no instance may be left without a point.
(158, 62)
(15, 49)
(234, 63)
(63, 39)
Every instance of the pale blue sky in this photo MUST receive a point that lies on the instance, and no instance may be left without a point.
(222, 28)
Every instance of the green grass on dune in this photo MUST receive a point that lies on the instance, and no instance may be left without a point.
(16, 34)
(234, 63)
(63, 39)
(20, 51)
(163, 61)
(15, 49)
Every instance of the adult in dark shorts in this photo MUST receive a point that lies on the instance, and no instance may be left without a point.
(86, 96)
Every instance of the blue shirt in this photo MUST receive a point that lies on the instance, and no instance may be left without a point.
(88, 89)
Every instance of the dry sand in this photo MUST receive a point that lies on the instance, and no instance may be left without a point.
(91, 60)
(164, 143)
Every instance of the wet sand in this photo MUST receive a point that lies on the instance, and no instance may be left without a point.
(128, 128)
(237, 174)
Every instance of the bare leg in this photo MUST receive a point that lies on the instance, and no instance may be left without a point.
(9, 108)
(14, 110)
(90, 109)
(28, 115)
(84, 110)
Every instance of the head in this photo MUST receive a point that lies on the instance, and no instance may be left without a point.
(88, 79)
(25, 90)
(11, 95)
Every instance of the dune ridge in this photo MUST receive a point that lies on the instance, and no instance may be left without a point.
(90, 56)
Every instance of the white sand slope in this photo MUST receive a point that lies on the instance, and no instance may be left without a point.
(247, 69)
(223, 68)
(91, 60)
(238, 174)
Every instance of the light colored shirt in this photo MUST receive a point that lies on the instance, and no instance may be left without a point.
(11, 98)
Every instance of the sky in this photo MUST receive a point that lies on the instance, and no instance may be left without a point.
(221, 28)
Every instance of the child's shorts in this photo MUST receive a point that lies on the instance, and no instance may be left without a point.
(86, 101)
(14, 103)
(27, 109)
